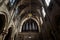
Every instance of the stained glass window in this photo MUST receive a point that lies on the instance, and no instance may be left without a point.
(30, 26)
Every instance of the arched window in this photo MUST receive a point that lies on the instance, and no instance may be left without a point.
(47, 2)
(11, 2)
(30, 26)
(2, 22)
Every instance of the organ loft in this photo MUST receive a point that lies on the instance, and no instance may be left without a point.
(29, 19)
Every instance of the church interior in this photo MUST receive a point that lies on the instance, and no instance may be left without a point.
(29, 19)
